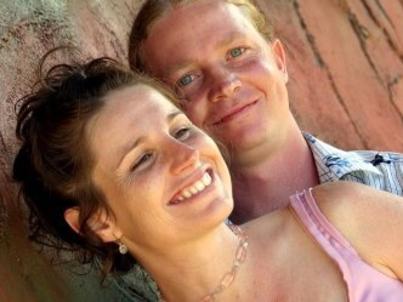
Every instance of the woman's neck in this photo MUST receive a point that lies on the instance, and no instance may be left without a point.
(192, 271)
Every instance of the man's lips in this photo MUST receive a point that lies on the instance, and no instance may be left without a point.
(233, 113)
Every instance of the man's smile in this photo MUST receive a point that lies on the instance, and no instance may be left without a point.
(234, 113)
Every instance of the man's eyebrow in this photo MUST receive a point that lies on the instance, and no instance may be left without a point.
(129, 147)
(174, 68)
(228, 39)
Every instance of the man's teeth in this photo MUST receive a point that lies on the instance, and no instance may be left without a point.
(195, 188)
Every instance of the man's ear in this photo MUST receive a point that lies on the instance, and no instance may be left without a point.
(100, 223)
(279, 56)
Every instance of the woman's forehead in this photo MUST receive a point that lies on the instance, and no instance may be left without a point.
(128, 112)
(136, 99)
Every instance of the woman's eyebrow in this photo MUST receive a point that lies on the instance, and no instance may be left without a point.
(131, 146)
(128, 148)
(174, 114)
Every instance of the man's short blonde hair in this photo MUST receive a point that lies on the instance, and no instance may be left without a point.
(152, 10)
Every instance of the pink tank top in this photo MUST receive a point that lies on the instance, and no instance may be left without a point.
(364, 282)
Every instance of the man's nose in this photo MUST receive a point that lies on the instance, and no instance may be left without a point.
(184, 157)
(224, 84)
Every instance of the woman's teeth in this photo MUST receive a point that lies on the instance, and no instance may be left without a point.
(193, 189)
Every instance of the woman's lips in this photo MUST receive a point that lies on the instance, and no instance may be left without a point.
(195, 189)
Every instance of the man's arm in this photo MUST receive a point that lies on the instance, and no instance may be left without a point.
(371, 220)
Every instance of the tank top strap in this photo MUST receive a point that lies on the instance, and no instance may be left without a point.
(305, 205)
(363, 282)
(328, 237)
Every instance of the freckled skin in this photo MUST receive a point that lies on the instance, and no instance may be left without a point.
(234, 86)
(230, 65)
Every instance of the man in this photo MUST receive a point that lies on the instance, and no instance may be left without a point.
(221, 57)
(230, 72)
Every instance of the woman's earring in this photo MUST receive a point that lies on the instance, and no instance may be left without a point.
(122, 248)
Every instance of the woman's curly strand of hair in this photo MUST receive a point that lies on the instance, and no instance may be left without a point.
(54, 164)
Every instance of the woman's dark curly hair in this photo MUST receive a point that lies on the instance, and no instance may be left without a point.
(54, 164)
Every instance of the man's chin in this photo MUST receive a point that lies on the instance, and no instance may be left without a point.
(242, 142)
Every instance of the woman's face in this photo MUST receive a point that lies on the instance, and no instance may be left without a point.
(164, 179)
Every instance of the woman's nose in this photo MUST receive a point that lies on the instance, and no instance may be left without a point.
(184, 157)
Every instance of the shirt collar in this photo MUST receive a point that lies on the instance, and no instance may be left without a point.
(333, 163)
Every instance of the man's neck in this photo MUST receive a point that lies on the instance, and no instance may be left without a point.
(266, 186)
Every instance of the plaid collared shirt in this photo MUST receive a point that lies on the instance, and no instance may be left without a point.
(380, 170)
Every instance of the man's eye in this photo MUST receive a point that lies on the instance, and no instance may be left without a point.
(143, 159)
(236, 52)
(183, 133)
(185, 80)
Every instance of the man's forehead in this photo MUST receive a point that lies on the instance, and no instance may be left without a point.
(204, 10)
(180, 35)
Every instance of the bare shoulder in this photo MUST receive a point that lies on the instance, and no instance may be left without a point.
(366, 217)
(350, 199)
(341, 190)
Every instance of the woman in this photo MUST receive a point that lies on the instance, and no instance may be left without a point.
(108, 164)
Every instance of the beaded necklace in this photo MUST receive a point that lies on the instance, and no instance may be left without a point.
(240, 257)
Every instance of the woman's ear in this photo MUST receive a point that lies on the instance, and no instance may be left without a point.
(100, 223)
(72, 218)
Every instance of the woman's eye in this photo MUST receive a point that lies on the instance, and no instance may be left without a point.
(183, 133)
(142, 160)
(236, 52)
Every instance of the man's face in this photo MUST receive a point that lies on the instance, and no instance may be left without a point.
(232, 79)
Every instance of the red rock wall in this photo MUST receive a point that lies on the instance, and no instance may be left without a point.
(98, 28)
(345, 60)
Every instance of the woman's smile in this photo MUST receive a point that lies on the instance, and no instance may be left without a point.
(194, 190)
(177, 178)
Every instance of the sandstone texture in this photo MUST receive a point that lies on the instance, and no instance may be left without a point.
(345, 61)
